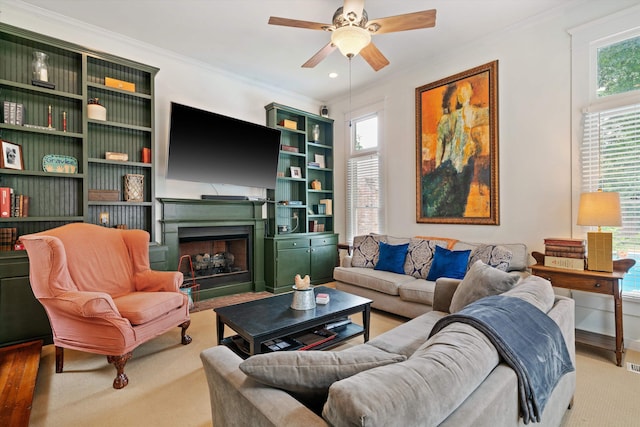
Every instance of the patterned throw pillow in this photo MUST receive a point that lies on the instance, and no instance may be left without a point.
(366, 250)
(493, 255)
(420, 256)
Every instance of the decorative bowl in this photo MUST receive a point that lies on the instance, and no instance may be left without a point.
(59, 164)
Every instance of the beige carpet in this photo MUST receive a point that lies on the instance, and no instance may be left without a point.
(167, 386)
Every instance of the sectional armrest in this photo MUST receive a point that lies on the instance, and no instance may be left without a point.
(443, 293)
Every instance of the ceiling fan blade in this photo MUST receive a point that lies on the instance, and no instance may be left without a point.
(355, 6)
(319, 56)
(374, 57)
(286, 22)
(408, 21)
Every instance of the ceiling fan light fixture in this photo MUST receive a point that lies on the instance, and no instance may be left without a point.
(350, 39)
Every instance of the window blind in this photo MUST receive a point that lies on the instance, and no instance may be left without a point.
(364, 213)
(610, 160)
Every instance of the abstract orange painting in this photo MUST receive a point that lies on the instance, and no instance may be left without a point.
(457, 148)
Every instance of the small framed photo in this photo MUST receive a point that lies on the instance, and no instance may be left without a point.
(11, 156)
(296, 172)
(319, 159)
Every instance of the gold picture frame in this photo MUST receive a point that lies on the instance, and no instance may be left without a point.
(457, 148)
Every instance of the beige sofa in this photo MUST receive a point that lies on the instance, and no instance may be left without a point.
(410, 294)
(454, 378)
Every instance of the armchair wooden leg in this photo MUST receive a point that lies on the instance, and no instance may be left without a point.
(186, 339)
(59, 359)
(121, 379)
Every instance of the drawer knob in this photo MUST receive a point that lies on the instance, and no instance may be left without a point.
(597, 285)
(295, 244)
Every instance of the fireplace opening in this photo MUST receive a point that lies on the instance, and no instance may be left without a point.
(220, 255)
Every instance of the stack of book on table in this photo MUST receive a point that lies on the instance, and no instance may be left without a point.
(565, 253)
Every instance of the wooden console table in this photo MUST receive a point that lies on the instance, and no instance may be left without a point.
(596, 282)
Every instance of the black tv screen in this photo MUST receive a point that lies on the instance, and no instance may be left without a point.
(212, 148)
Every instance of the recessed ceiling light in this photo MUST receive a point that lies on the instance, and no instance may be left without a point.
(333, 75)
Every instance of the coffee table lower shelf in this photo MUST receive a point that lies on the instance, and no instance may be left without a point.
(347, 332)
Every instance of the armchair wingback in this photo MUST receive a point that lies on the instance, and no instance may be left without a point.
(100, 293)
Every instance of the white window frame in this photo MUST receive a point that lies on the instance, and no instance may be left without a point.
(585, 42)
(376, 109)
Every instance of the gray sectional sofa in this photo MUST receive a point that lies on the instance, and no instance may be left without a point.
(409, 293)
(402, 377)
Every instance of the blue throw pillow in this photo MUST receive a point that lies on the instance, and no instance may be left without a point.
(392, 257)
(446, 263)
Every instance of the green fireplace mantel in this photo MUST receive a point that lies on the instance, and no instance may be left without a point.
(180, 213)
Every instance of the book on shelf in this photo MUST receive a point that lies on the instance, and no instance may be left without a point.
(561, 262)
(558, 241)
(577, 255)
(559, 248)
(8, 237)
(5, 202)
(13, 205)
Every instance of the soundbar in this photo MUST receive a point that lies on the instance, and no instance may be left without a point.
(223, 197)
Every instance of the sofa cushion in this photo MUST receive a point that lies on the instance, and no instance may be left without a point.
(406, 338)
(519, 254)
(376, 280)
(482, 280)
(312, 372)
(391, 258)
(421, 391)
(420, 256)
(366, 250)
(418, 291)
(536, 291)
(496, 256)
(447, 263)
(142, 307)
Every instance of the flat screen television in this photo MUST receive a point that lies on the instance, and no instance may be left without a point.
(212, 148)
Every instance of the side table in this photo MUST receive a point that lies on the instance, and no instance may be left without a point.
(595, 282)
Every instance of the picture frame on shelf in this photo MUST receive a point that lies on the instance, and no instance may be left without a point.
(296, 172)
(11, 156)
(457, 148)
(319, 159)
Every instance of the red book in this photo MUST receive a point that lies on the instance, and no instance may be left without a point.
(5, 202)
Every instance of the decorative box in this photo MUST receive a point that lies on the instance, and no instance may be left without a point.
(109, 155)
(119, 84)
(104, 195)
(289, 124)
(133, 187)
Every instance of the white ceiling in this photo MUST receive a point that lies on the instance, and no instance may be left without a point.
(233, 35)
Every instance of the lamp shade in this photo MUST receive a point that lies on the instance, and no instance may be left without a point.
(350, 39)
(599, 209)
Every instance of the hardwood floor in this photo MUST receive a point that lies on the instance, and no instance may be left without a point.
(18, 372)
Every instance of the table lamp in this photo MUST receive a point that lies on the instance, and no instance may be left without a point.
(600, 209)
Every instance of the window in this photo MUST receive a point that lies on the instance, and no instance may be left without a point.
(364, 183)
(610, 144)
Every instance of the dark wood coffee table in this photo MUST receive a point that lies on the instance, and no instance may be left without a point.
(272, 318)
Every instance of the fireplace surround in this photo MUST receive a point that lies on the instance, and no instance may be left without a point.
(215, 231)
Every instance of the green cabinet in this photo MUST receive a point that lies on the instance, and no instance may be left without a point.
(300, 227)
(22, 317)
(287, 256)
(55, 122)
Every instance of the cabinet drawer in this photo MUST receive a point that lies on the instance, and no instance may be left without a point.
(323, 241)
(292, 244)
(578, 283)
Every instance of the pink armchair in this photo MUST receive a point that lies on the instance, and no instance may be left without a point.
(100, 294)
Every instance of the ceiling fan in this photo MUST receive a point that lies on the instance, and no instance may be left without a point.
(351, 31)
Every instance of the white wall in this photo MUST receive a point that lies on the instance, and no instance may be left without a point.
(535, 117)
